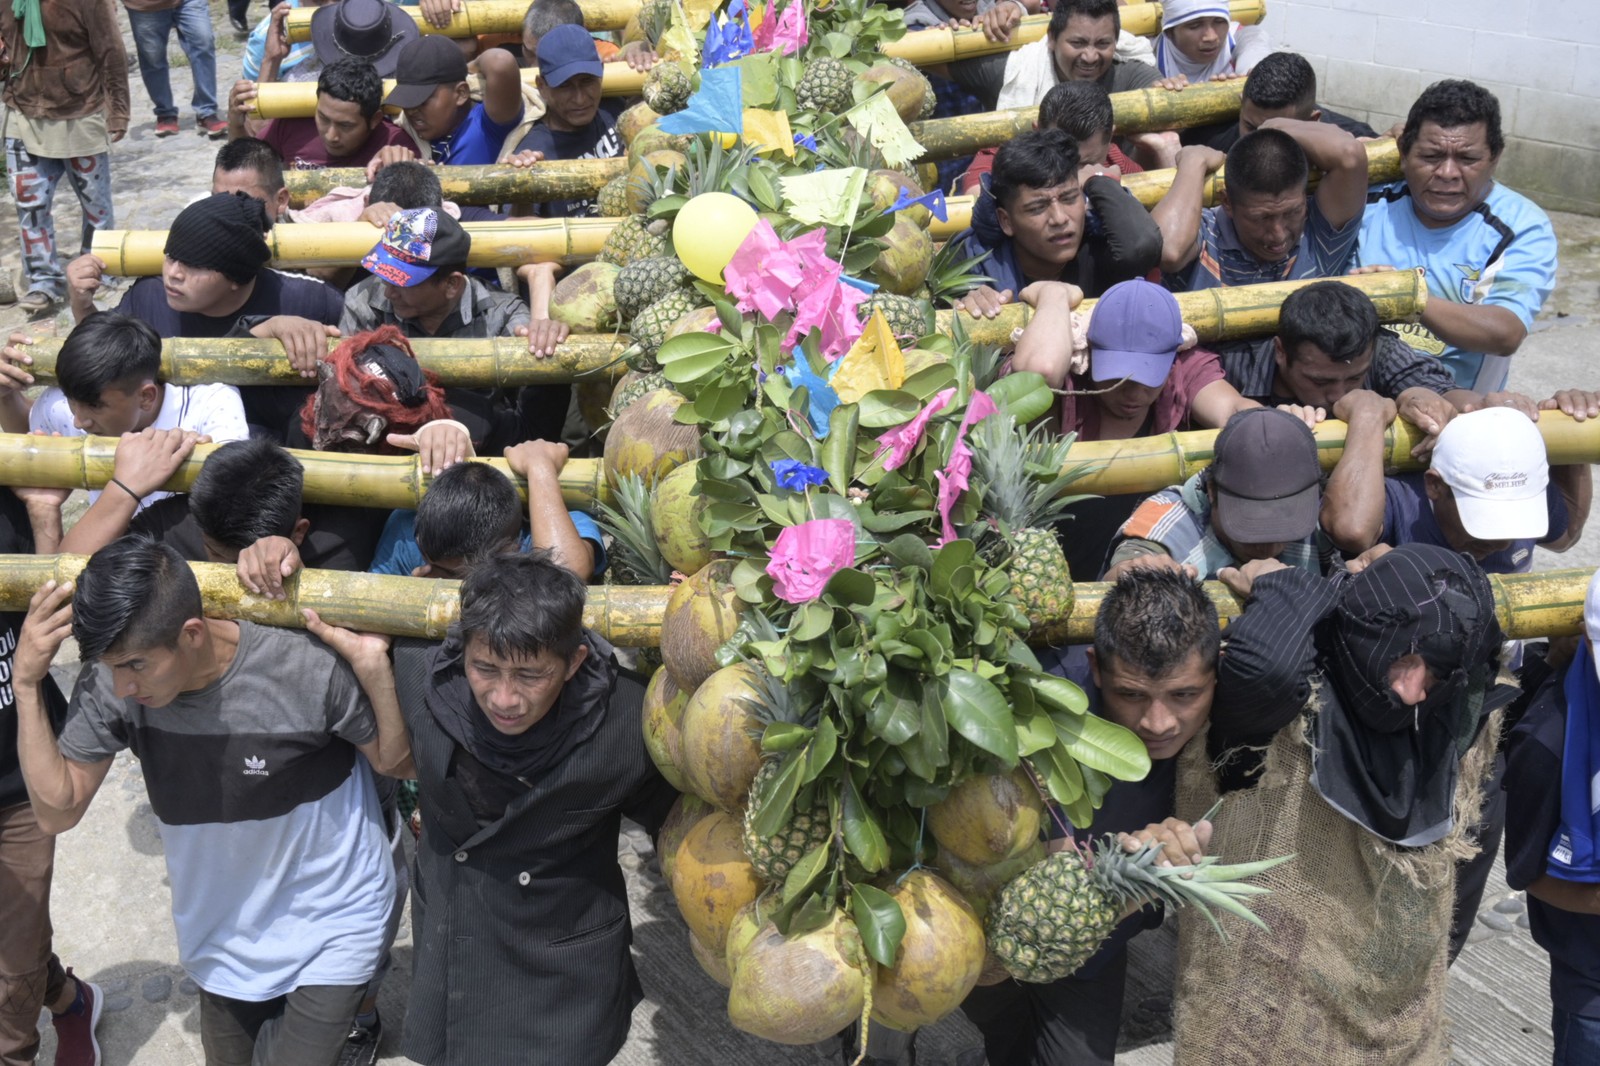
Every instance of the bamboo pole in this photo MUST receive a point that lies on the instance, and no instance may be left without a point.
(1136, 111)
(1215, 314)
(942, 44)
(1543, 604)
(480, 17)
(332, 244)
(298, 99)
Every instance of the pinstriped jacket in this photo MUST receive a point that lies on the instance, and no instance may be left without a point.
(521, 926)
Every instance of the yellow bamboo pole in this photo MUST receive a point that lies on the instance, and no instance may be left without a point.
(1215, 314)
(298, 99)
(943, 44)
(1528, 605)
(390, 482)
(557, 179)
(136, 253)
(480, 17)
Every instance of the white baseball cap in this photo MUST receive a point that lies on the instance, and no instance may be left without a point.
(1494, 461)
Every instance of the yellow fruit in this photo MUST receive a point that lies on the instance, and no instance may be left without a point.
(799, 989)
(644, 440)
(988, 818)
(675, 519)
(711, 879)
(720, 740)
(702, 613)
(940, 956)
(663, 716)
(685, 814)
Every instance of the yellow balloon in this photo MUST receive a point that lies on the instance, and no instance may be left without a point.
(708, 230)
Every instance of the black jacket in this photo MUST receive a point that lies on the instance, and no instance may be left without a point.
(521, 927)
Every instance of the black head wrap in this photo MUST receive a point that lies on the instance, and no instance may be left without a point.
(225, 233)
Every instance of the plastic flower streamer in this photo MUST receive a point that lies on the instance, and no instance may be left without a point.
(716, 107)
(796, 476)
(819, 393)
(933, 201)
(772, 276)
(787, 33)
(728, 37)
(805, 556)
(955, 478)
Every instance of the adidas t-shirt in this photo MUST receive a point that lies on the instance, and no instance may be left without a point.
(275, 848)
(1502, 254)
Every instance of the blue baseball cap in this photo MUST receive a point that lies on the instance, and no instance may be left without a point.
(565, 52)
(1134, 333)
(415, 245)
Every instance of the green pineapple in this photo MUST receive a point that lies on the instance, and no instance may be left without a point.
(1051, 918)
(774, 856)
(644, 281)
(1020, 471)
(635, 237)
(612, 199)
(634, 558)
(654, 18)
(667, 88)
(634, 389)
(909, 318)
(825, 87)
(649, 327)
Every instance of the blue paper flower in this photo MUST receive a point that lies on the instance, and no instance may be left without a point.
(805, 140)
(796, 476)
(819, 393)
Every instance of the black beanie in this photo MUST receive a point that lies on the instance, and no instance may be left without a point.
(225, 233)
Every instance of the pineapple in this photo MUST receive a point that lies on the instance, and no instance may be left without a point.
(1051, 918)
(825, 87)
(774, 856)
(951, 276)
(654, 18)
(635, 237)
(612, 199)
(644, 281)
(632, 390)
(1022, 484)
(635, 559)
(667, 88)
(908, 318)
(649, 327)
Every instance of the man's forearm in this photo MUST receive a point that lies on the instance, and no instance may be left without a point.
(1353, 502)
(14, 408)
(552, 528)
(1566, 895)
(1474, 327)
(1045, 346)
(1178, 217)
(394, 742)
(105, 520)
(1576, 484)
(45, 518)
(44, 769)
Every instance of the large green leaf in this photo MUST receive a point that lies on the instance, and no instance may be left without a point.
(896, 715)
(885, 408)
(976, 709)
(863, 836)
(811, 621)
(778, 801)
(839, 450)
(819, 753)
(880, 920)
(1034, 733)
(851, 587)
(803, 874)
(1103, 746)
(1057, 693)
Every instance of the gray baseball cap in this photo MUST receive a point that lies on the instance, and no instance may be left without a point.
(1268, 480)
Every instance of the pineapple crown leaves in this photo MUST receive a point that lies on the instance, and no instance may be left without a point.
(1207, 886)
(1019, 472)
(951, 276)
(628, 524)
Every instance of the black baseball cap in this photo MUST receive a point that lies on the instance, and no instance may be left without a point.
(1266, 470)
(425, 64)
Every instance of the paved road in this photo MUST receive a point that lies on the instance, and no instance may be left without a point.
(111, 901)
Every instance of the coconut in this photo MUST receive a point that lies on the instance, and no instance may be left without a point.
(685, 813)
(584, 301)
(980, 884)
(644, 440)
(940, 956)
(903, 266)
(906, 89)
(800, 989)
(988, 818)
(663, 714)
(700, 320)
(675, 520)
(720, 741)
(702, 613)
(885, 186)
(654, 139)
(641, 175)
(592, 396)
(712, 963)
(634, 119)
(711, 878)
(741, 931)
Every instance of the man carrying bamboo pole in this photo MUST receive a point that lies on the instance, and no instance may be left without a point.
(1282, 85)
(278, 861)
(251, 166)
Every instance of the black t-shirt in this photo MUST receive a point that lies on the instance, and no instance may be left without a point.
(597, 140)
(339, 538)
(276, 293)
(16, 538)
(1533, 813)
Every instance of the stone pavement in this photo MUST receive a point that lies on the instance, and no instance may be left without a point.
(111, 904)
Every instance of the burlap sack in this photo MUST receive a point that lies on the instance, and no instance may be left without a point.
(1351, 967)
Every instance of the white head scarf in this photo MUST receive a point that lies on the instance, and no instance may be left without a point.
(1171, 61)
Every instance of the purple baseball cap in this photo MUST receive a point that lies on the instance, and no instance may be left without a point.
(1134, 333)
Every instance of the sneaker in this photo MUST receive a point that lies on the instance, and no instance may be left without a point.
(214, 127)
(361, 1046)
(167, 127)
(75, 1041)
(36, 302)
(239, 25)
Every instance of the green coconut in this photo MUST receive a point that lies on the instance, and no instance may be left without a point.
(584, 301)
(903, 266)
(701, 614)
(940, 957)
(686, 811)
(663, 717)
(800, 989)
(645, 440)
(720, 738)
(711, 879)
(675, 520)
(988, 818)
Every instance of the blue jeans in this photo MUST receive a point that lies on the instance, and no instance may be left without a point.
(152, 30)
(1577, 1038)
(33, 186)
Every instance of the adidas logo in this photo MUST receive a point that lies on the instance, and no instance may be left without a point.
(254, 767)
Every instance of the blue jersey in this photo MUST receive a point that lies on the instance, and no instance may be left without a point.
(476, 141)
(397, 551)
(1502, 254)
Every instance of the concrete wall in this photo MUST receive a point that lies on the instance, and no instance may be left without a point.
(1540, 57)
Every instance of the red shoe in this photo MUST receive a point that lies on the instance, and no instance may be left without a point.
(213, 127)
(75, 1041)
(166, 127)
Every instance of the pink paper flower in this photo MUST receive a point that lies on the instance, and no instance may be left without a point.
(763, 273)
(901, 441)
(807, 555)
(956, 477)
(787, 34)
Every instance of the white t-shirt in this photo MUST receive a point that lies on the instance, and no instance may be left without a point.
(211, 410)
